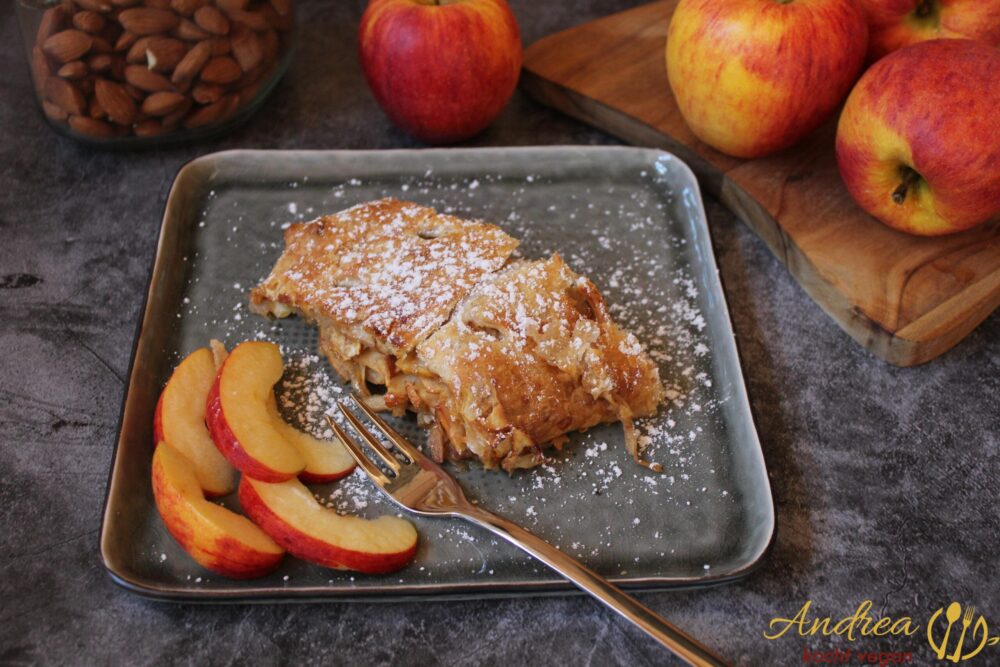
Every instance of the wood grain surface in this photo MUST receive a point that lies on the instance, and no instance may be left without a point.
(905, 298)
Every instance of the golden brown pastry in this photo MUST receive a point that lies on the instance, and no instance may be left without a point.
(500, 359)
(530, 355)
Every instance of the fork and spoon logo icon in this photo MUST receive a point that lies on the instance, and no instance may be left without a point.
(962, 650)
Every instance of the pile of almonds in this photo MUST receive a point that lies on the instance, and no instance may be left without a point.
(112, 68)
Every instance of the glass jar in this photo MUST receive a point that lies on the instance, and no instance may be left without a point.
(136, 72)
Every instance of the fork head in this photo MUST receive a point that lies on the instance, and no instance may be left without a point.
(418, 484)
(970, 613)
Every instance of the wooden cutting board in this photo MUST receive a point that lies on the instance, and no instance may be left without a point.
(907, 299)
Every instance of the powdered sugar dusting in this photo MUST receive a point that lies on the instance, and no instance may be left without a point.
(623, 234)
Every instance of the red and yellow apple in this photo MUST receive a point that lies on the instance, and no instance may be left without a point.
(289, 513)
(442, 70)
(216, 538)
(897, 23)
(180, 420)
(247, 428)
(918, 143)
(752, 77)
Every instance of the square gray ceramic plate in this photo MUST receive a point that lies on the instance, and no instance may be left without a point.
(630, 219)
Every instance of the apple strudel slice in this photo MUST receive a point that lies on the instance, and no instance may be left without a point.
(499, 358)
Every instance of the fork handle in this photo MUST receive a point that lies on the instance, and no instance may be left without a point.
(614, 598)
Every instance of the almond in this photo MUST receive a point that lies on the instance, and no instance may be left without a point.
(189, 31)
(222, 69)
(255, 20)
(54, 111)
(102, 6)
(232, 5)
(211, 19)
(91, 127)
(213, 113)
(40, 70)
(116, 101)
(162, 103)
(100, 62)
(76, 69)
(96, 110)
(246, 48)
(155, 48)
(125, 41)
(144, 79)
(157, 4)
(67, 45)
(137, 52)
(163, 53)
(149, 128)
(53, 20)
(89, 21)
(191, 64)
(148, 20)
(65, 95)
(249, 78)
(174, 119)
(187, 7)
(207, 93)
(125, 3)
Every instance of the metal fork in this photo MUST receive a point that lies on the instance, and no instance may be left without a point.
(423, 487)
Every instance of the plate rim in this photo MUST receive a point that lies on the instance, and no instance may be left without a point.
(401, 592)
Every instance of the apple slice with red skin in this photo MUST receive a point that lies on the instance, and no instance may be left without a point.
(326, 460)
(248, 429)
(216, 538)
(240, 421)
(289, 513)
(180, 420)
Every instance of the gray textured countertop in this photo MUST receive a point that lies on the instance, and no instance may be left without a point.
(885, 479)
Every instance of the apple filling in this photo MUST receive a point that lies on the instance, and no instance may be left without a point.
(498, 358)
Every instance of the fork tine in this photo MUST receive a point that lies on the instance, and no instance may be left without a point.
(970, 612)
(372, 441)
(373, 470)
(399, 441)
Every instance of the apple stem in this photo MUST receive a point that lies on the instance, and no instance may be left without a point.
(910, 178)
(925, 8)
